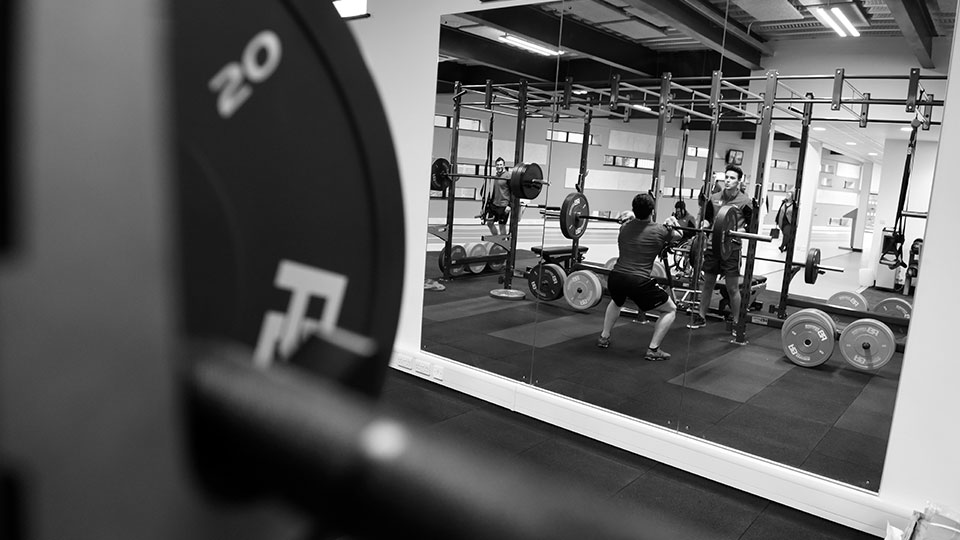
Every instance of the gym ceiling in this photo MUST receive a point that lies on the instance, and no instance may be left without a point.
(641, 39)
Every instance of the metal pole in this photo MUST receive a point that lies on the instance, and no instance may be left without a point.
(788, 271)
(452, 188)
(661, 129)
(765, 131)
(707, 182)
(515, 201)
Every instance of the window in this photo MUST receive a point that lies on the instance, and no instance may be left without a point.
(567, 136)
(469, 124)
(466, 124)
(697, 151)
(781, 164)
(628, 162)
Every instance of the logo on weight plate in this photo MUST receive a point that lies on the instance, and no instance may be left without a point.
(282, 333)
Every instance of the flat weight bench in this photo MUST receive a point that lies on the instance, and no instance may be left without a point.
(559, 255)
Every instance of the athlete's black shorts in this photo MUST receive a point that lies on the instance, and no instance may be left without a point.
(645, 292)
(496, 214)
(727, 267)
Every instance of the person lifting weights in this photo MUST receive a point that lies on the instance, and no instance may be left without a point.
(497, 210)
(731, 195)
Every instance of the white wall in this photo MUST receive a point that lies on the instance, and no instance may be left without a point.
(921, 464)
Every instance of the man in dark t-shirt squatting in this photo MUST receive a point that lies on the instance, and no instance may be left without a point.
(640, 242)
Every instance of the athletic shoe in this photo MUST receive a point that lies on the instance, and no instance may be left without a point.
(698, 322)
(603, 342)
(656, 356)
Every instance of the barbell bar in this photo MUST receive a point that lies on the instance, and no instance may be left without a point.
(526, 180)
(811, 267)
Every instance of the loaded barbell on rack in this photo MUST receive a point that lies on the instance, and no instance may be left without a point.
(526, 180)
(575, 214)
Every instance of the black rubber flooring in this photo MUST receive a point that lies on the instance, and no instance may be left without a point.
(689, 506)
(831, 420)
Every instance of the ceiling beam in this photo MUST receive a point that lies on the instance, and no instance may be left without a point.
(475, 49)
(916, 25)
(525, 21)
(693, 23)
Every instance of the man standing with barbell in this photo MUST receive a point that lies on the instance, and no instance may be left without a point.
(498, 205)
(730, 266)
(640, 242)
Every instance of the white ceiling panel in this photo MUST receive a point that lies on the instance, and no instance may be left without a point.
(634, 29)
(770, 10)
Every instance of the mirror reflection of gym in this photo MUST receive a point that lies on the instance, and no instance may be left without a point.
(476, 309)
(808, 390)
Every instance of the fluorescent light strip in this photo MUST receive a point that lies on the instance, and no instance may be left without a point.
(643, 108)
(351, 8)
(526, 45)
(845, 21)
(828, 20)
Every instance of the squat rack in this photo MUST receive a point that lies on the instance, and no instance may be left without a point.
(710, 97)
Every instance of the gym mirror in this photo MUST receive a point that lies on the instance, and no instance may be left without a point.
(810, 377)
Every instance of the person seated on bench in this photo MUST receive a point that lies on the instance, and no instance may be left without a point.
(640, 242)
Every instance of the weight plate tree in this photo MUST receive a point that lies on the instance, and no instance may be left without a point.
(288, 193)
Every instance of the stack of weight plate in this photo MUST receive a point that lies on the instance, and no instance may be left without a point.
(807, 337)
(457, 252)
(476, 249)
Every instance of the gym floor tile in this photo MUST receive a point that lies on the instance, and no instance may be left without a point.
(737, 375)
(490, 429)
(582, 393)
(695, 508)
(877, 396)
(856, 448)
(470, 358)
(778, 521)
(546, 332)
(464, 308)
(833, 374)
(767, 447)
(490, 346)
(796, 400)
(866, 422)
(844, 471)
(548, 365)
(813, 387)
(665, 413)
(705, 407)
(583, 465)
(765, 433)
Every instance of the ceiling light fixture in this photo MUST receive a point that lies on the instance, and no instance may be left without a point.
(351, 9)
(818, 128)
(906, 128)
(851, 143)
(842, 17)
(527, 46)
(838, 13)
(643, 108)
(872, 154)
(824, 16)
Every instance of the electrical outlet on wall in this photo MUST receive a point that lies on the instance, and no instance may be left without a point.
(422, 367)
(404, 361)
